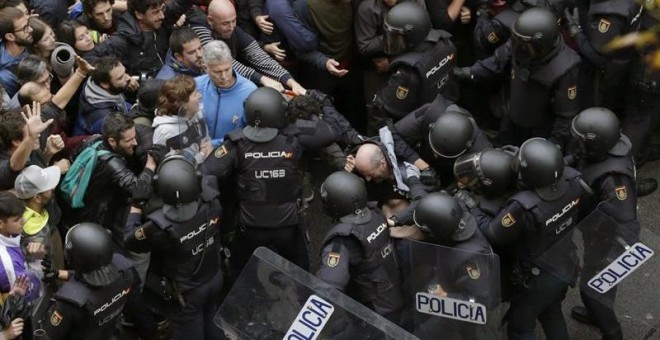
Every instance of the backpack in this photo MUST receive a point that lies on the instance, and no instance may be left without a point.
(75, 182)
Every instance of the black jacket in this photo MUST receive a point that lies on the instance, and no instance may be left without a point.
(141, 51)
(111, 185)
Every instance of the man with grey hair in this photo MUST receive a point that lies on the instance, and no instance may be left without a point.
(223, 92)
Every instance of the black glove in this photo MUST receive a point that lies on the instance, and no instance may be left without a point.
(158, 152)
(50, 273)
(467, 198)
(483, 8)
(463, 74)
(573, 21)
(429, 178)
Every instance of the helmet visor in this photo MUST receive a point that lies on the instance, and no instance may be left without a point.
(468, 171)
(523, 48)
(394, 40)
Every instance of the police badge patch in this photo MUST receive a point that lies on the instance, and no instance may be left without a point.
(333, 259)
(473, 271)
(621, 193)
(603, 25)
(55, 318)
(139, 234)
(493, 38)
(220, 152)
(572, 92)
(401, 92)
(508, 220)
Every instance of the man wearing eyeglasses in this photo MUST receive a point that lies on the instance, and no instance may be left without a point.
(142, 37)
(16, 35)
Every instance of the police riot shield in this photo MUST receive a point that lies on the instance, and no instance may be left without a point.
(451, 293)
(616, 268)
(275, 299)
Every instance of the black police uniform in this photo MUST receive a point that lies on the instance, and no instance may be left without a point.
(361, 259)
(417, 77)
(82, 311)
(613, 182)
(643, 99)
(536, 226)
(189, 256)
(603, 72)
(543, 99)
(269, 189)
(411, 136)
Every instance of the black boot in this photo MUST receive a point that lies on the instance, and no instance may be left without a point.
(581, 314)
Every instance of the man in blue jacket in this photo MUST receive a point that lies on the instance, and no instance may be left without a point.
(223, 92)
(184, 56)
(16, 35)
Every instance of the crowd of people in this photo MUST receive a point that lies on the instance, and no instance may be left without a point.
(164, 141)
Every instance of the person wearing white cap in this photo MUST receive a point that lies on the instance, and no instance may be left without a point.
(34, 185)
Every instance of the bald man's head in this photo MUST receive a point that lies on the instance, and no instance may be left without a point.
(222, 18)
(370, 162)
(33, 91)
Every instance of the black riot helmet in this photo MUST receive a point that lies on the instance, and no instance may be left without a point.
(451, 134)
(265, 113)
(487, 172)
(88, 250)
(595, 131)
(442, 216)
(178, 183)
(344, 194)
(535, 36)
(406, 25)
(539, 163)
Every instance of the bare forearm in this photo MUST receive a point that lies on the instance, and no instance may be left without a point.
(64, 95)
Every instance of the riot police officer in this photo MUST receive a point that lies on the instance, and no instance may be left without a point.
(535, 220)
(90, 303)
(544, 79)
(486, 180)
(438, 133)
(602, 72)
(184, 235)
(358, 250)
(422, 66)
(459, 273)
(604, 158)
(265, 157)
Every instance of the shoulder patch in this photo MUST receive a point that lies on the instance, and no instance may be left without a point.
(493, 38)
(603, 26)
(55, 318)
(401, 92)
(139, 234)
(220, 152)
(473, 271)
(333, 259)
(621, 193)
(572, 92)
(508, 220)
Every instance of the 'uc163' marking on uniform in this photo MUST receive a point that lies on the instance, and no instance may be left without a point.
(310, 320)
(616, 271)
(447, 307)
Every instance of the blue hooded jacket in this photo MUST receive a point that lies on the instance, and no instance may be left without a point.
(223, 108)
(8, 64)
(173, 68)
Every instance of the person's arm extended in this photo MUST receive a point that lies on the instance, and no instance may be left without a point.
(68, 90)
